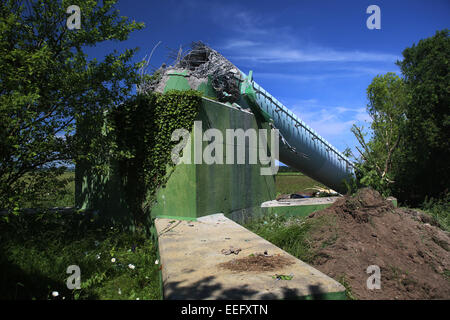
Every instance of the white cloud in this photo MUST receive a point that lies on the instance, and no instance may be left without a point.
(307, 77)
(325, 121)
(331, 122)
(257, 39)
(239, 44)
(268, 54)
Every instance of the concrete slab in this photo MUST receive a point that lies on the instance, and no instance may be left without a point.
(190, 252)
(299, 202)
(297, 207)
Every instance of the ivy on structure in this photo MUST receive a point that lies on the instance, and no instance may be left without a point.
(142, 129)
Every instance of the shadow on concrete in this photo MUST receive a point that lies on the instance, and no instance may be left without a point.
(208, 288)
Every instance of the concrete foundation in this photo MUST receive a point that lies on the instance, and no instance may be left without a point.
(192, 190)
(190, 252)
(297, 207)
(302, 207)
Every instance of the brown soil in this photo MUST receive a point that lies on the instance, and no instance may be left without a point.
(257, 262)
(411, 251)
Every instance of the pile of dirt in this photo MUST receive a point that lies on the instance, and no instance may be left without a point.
(257, 262)
(411, 251)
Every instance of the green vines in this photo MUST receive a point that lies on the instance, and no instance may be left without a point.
(142, 129)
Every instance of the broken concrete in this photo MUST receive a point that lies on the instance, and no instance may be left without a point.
(201, 65)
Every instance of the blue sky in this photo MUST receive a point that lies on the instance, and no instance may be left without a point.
(317, 57)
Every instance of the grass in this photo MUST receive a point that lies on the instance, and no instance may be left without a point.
(292, 234)
(36, 249)
(59, 198)
(446, 274)
(290, 174)
(67, 198)
(440, 210)
(293, 182)
(348, 289)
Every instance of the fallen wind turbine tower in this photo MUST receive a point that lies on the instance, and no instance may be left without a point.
(300, 146)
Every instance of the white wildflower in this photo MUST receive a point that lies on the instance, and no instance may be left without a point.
(131, 266)
(113, 260)
(156, 261)
(55, 293)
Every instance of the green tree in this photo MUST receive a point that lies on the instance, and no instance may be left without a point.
(424, 170)
(47, 84)
(386, 107)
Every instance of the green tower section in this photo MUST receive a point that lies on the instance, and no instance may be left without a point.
(237, 190)
(192, 190)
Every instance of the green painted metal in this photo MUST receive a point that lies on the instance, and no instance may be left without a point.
(301, 146)
(195, 190)
(177, 81)
(179, 196)
(250, 97)
(207, 89)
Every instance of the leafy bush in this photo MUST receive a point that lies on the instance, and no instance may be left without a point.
(48, 83)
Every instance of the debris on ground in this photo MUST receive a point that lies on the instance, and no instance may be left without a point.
(323, 191)
(298, 196)
(257, 262)
(302, 195)
(231, 250)
(282, 277)
(408, 246)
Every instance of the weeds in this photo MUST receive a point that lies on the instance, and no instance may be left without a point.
(439, 209)
(36, 249)
(348, 289)
(291, 234)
